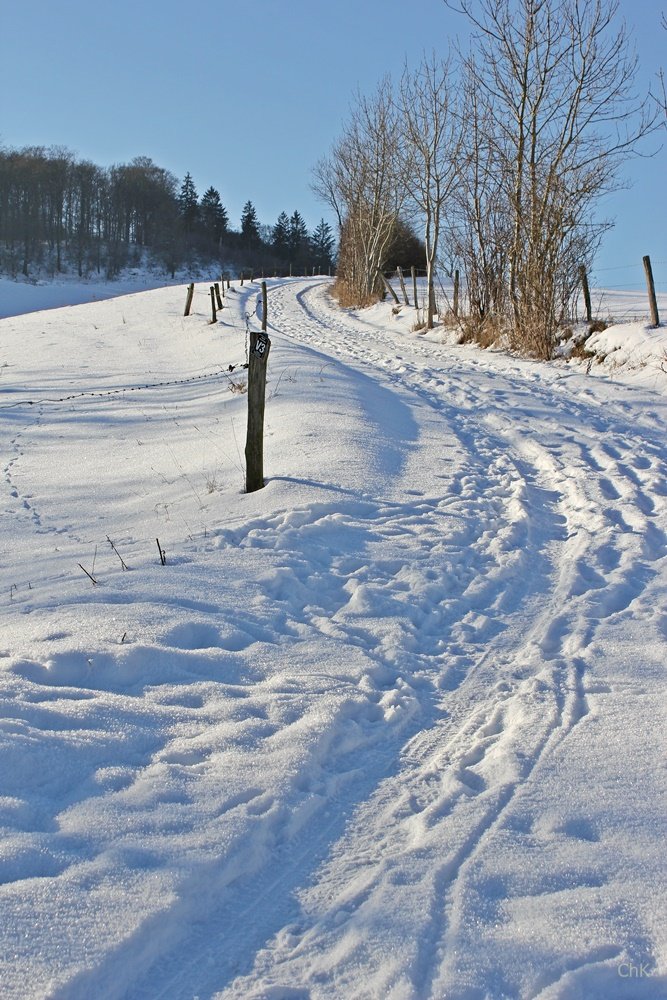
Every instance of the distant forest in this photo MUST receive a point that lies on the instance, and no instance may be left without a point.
(59, 214)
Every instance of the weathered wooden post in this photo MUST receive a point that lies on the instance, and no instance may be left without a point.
(214, 315)
(188, 298)
(388, 287)
(455, 304)
(399, 272)
(222, 284)
(650, 285)
(258, 356)
(218, 297)
(587, 293)
(264, 307)
(241, 277)
(432, 307)
(413, 272)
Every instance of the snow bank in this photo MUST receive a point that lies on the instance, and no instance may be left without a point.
(389, 727)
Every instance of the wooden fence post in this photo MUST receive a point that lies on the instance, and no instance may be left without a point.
(218, 297)
(650, 285)
(188, 299)
(222, 284)
(264, 307)
(241, 277)
(587, 293)
(214, 315)
(413, 272)
(258, 356)
(399, 272)
(455, 304)
(388, 287)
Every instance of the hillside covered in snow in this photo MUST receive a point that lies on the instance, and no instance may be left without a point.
(391, 727)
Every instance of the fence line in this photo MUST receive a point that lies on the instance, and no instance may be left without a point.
(627, 301)
(130, 388)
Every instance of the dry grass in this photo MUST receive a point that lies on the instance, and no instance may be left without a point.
(578, 341)
(419, 326)
(578, 350)
(348, 298)
(484, 332)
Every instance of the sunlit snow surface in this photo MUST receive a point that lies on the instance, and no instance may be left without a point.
(392, 727)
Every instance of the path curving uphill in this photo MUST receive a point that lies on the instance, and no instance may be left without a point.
(523, 609)
(390, 727)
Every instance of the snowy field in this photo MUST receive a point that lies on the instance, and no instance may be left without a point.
(392, 727)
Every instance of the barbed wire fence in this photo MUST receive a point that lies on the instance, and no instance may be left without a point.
(618, 293)
(220, 371)
(121, 390)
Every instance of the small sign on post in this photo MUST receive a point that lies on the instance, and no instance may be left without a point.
(258, 356)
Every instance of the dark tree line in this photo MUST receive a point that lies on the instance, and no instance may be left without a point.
(59, 214)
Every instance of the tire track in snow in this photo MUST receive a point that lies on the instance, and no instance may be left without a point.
(377, 734)
(587, 568)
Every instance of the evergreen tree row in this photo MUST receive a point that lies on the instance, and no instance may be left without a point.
(59, 214)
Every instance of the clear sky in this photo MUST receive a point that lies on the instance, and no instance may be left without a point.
(248, 96)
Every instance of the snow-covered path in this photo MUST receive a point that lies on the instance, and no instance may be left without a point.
(392, 727)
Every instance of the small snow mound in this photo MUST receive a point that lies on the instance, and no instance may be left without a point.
(193, 635)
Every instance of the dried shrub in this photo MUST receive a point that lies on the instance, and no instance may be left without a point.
(349, 298)
(484, 331)
(579, 350)
(578, 341)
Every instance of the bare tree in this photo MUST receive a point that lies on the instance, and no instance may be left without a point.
(480, 231)
(360, 181)
(431, 139)
(557, 76)
(662, 97)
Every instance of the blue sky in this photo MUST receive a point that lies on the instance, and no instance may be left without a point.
(247, 96)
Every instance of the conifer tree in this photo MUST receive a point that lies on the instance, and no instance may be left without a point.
(213, 215)
(280, 236)
(249, 225)
(299, 242)
(322, 244)
(188, 204)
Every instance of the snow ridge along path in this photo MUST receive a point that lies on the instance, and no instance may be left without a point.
(391, 727)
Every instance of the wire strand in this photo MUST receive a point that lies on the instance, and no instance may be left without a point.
(132, 388)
